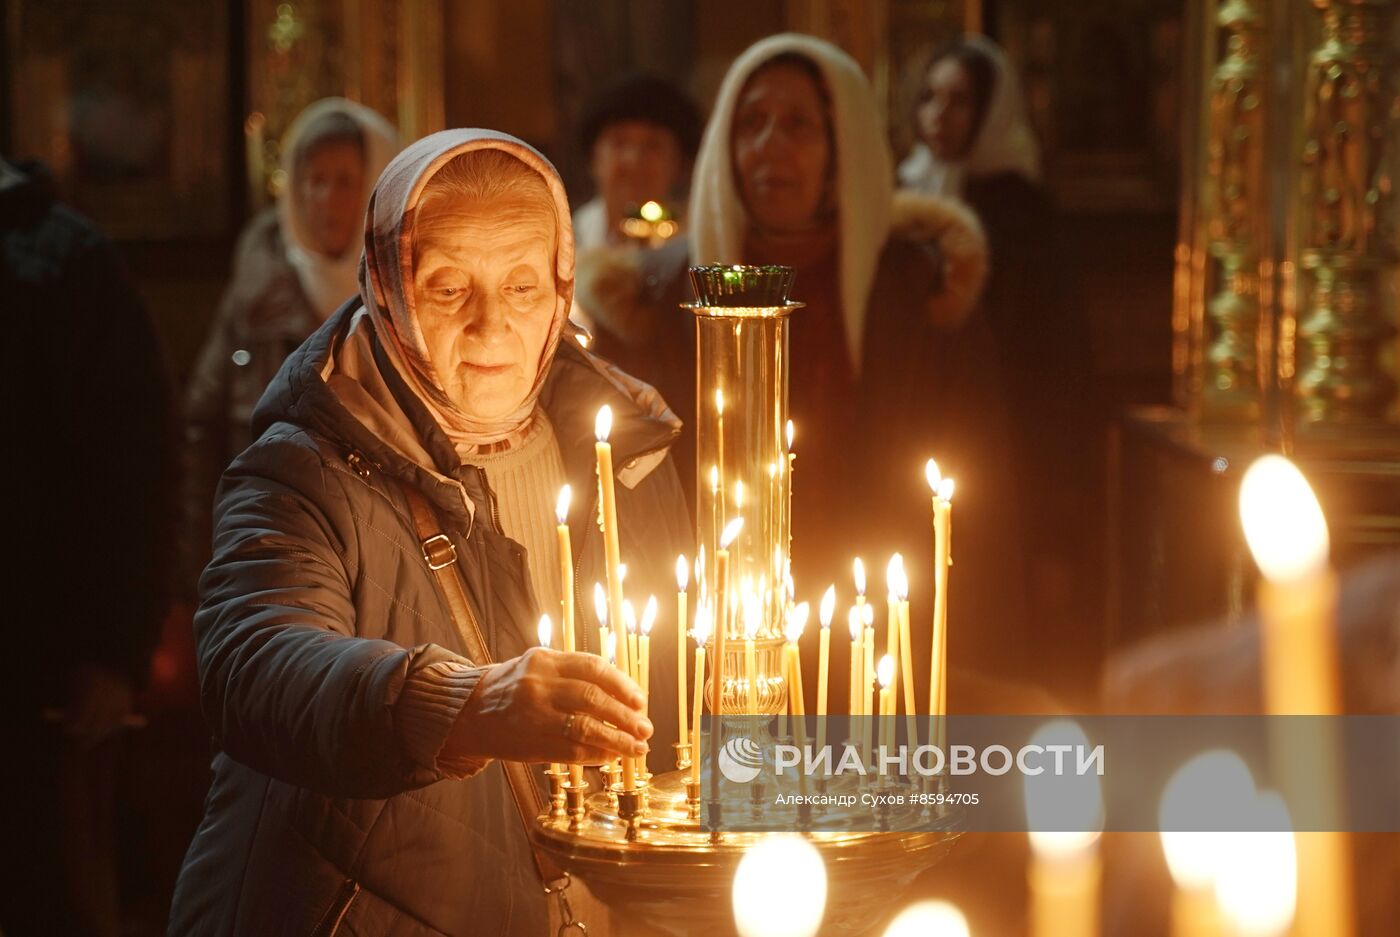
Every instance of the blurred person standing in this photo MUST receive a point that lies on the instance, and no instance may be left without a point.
(90, 525)
(295, 263)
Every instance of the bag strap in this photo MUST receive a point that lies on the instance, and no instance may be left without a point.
(440, 553)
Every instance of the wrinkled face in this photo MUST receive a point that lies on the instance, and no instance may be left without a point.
(781, 148)
(484, 294)
(946, 110)
(635, 161)
(330, 186)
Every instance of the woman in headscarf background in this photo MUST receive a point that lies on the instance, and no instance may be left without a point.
(890, 364)
(360, 785)
(975, 143)
(294, 264)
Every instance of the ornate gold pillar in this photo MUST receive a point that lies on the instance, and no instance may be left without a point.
(1346, 213)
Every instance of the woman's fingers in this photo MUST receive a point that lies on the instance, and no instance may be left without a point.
(589, 699)
(593, 669)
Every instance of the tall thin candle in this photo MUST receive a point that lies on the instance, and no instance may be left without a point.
(682, 580)
(612, 557)
(828, 609)
(701, 634)
(566, 568)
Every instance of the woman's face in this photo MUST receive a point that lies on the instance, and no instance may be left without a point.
(782, 149)
(330, 187)
(635, 161)
(484, 295)
(946, 110)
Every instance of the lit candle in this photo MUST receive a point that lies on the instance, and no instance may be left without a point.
(1257, 884)
(942, 494)
(629, 620)
(1222, 779)
(644, 647)
(867, 681)
(545, 632)
(682, 580)
(1297, 599)
(929, 919)
(796, 624)
(1066, 866)
(827, 610)
(566, 568)
(612, 554)
(600, 609)
(885, 675)
(701, 633)
(860, 688)
(853, 621)
(721, 626)
(893, 571)
(752, 620)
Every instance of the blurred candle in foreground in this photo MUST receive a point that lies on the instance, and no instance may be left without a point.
(1257, 879)
(1297, 598)
(1217, 782)
(929, 919)
(682, 580)
(1064, 814)
(780, 888)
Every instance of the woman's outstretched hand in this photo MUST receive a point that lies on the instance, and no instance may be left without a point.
(547, 705)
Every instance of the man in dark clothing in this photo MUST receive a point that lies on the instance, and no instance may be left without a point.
(90, 525)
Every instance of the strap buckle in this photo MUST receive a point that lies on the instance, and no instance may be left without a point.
(439, 551)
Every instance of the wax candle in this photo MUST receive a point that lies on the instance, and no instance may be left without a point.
(906, 658)
(797, 623)
(612, 557)
(1297, 599)
(854, 623)
(893, 570)
(867, 679)
(701, 633)
(942, 494)
(1066, 867)
(682, 580)
(566, 567)
(827, 610)
(884, 674)
(1258, 885)
(600, 610)
(629, 620)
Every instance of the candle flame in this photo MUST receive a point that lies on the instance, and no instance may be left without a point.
(894, 576)
(682, 573)
(1218, 777)
(731, 531)
(867, 613)
(1283, 523)
(600, 602)
(739, 495)
(561, 507)
(884, 671)
(1257, 885)
(789, 435)
(859, 569)
(932, 474)
(797, 621)
(651, 211)
(828, 606)
(545, 631)
(1056, 801)
(701, 631)
(621, 572)
(649, 614)
(610, 648)
(853, 622)
(719, 400)
(714, 479)
(629, 616)
(772, 470)
(602, 424)
(789, 589)
(945, 490)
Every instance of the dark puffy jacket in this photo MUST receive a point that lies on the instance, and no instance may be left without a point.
(316, 610)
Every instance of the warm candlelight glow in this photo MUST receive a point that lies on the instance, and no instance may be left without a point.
(1064, 814)
(545, 631)
(704, 624)
(561, 507)
(789, 436)
(884, 671)
(797, 621)
(780, 888)
(931, 473)
(1217, 778)
(648, 615)
(738, 495)
(731, 532)
(651, 211)
(600, 603)
(945, 490)
(828, 606)
(858, 568)
(719, 400)
(1283, 522)
(714, 479)
(929, 919)
(853, 622)
(602, 424)
(894, 574)
(1257, 882)
(682, 573)
(629, 616)
(610, 648)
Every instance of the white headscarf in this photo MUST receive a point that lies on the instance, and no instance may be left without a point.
(329, 281)
(864, 183)
(1004, 143)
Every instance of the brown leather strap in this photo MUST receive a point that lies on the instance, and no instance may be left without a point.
(441, 556)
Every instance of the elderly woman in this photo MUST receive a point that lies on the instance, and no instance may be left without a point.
(386, 539)
(890, 364)
(295, 263)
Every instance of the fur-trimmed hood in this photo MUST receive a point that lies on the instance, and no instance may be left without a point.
(619, 286)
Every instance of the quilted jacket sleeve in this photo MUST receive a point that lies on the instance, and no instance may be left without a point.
(286, 686)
